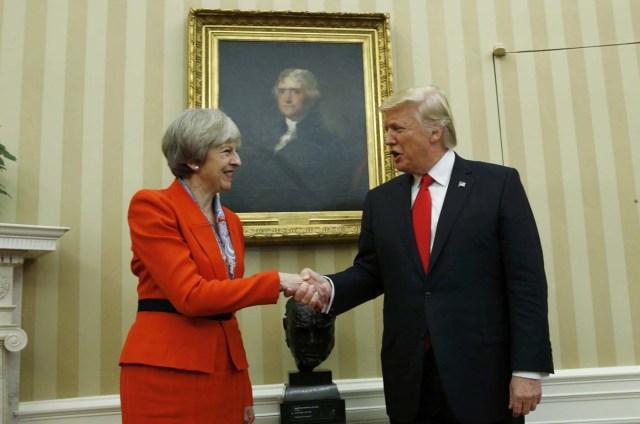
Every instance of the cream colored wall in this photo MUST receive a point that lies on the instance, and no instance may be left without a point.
(87, 87)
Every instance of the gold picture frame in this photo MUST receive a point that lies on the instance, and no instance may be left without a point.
(234, 62)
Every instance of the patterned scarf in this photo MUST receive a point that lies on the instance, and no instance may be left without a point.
(225, 239)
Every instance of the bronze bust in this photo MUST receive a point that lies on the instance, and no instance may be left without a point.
(310, 334)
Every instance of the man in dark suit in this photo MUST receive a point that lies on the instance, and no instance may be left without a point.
(466, 334)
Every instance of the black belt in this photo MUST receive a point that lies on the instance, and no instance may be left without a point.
(163, 305)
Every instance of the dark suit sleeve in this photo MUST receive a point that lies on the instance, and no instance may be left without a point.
(360, 282)
(525, 279)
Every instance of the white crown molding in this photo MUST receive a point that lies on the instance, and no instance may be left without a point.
(31, 240)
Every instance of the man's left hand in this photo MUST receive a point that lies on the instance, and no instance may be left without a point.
(524, 395)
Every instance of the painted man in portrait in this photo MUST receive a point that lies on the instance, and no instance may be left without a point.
(293, 162)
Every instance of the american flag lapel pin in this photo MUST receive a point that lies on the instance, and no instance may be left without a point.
(462, 184)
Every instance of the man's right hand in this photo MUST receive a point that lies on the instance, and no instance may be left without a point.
(301, 290)
(320, 285)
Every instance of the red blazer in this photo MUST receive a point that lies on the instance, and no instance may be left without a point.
(176, 257)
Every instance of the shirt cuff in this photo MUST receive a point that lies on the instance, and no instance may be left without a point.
(530, 374)
(327, 307)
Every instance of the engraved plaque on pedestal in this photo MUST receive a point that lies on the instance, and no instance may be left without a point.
(312, 397)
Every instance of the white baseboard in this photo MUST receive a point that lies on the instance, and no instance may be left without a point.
(589, 396)
(581, 396)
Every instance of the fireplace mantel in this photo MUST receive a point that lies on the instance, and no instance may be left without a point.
(17, 243)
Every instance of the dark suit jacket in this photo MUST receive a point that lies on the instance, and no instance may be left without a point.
(483, 300)
(316, 171)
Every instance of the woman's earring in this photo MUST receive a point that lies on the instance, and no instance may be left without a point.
(196, 168)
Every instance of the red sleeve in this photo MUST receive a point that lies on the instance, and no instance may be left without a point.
(171, 260)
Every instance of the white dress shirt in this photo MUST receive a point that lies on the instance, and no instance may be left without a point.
(441, 174)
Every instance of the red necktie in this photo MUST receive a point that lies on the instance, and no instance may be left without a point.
(421, 215)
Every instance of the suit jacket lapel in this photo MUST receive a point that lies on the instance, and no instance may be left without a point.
(199, 227)
(454, 201)
(400, 201)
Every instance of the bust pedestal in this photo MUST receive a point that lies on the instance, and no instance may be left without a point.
(311, 397)
(17, 243)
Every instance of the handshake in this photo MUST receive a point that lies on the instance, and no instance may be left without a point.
(308, 288)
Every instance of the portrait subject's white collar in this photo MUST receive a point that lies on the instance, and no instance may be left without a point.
(291, 125)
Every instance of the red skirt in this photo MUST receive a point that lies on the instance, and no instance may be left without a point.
(152, 395)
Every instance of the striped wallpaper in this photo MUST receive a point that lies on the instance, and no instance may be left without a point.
(88, 86)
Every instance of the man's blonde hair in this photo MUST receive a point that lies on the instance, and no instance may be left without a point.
(432, 108)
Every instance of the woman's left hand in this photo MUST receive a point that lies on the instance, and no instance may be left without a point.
(249, 415)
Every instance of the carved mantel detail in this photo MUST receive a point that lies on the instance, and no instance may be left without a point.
(17, 243)
(15, 339)
(5, 285)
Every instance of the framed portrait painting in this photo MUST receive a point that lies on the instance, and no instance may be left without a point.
(304, 89)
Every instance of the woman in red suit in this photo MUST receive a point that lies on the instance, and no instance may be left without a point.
(183, 360)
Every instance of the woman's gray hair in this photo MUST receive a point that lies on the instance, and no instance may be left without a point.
(190, 136)
(433, 109)
(304, 77)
